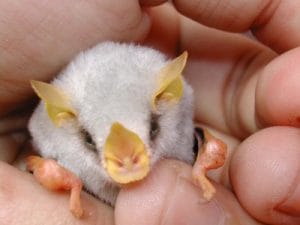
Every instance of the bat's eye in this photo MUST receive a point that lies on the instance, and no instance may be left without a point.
(88, 140)
(154, 127)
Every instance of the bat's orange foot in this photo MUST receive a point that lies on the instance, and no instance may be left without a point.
(211, 155)
(55, 177)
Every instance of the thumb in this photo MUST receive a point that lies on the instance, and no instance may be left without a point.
(168, 196)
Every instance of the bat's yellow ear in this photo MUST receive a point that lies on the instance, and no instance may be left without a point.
(170, 82)
(57, 103)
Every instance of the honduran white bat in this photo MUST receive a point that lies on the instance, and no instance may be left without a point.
(109, 116)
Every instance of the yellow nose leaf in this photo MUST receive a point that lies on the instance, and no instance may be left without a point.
(170, 84)
(125, 157)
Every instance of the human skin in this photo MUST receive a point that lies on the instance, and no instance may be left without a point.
(247, 90)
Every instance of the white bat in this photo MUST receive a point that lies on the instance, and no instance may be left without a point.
(110, 115)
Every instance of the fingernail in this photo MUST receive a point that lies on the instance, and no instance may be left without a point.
(187, 206)
(291, 205)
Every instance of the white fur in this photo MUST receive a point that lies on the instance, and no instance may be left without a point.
(110, 83)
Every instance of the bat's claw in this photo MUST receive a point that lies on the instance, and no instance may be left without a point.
(55, 177)
(76, 210)
(202, 181)
(211, 155)
(33, 162)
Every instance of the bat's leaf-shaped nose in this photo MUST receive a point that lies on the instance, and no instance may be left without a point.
(125, 157)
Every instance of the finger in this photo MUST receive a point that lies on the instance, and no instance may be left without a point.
(169, 197)
(11, 144)
(277, 92)
(38, 39)
(164, 19)
(13, 135)
(275, 23)
(15, 122)
(223, 69)
(24, 201)
(265, 175)
(221, 174)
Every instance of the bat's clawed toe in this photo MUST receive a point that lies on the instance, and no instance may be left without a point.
(200, 179)
(75, 203)
(76, 209)
(211, 155)
(54, 177)
(32, 162)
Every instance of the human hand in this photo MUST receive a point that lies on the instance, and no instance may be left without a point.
(219, 61)
(37, 39)
(241, 87)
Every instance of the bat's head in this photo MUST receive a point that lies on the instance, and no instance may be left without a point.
(113, 113)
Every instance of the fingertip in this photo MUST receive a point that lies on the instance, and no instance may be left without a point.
(264, 173)
(277, 93)
(163, 18)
